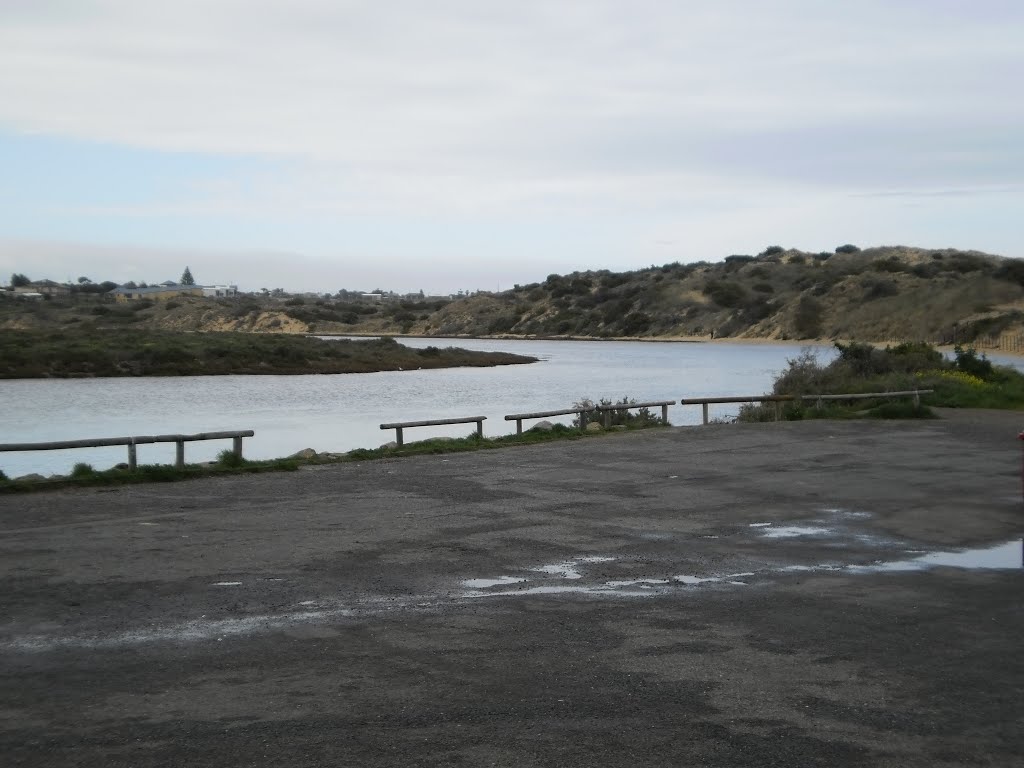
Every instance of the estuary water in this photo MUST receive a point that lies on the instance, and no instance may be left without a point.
(340, 412)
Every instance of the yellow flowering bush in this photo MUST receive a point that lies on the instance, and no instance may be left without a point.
(961, 377)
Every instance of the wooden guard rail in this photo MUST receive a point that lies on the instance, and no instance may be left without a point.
(398, 426)
(819, 399)
(131, 442)
(519, 417)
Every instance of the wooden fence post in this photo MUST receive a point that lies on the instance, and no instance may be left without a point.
(179, 457)
(133, 461)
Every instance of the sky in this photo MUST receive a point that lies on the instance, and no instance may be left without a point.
(315, 145)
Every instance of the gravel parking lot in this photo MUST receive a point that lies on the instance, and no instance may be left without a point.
(795, 594)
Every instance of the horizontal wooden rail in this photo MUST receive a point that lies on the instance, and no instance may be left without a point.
(518, 417)
(398, 426)
(915, 393)
(131, 442)
(609, 409)
(779, 399)
(735, 399)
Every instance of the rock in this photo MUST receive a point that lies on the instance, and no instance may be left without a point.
(392, 444)
(305, 453)
(31, 478)
(594, 427)
(542, 426)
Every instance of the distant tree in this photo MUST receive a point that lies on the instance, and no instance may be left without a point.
(130, 284)
(83, 280)
(773, 250)
(848, 248)
(19, 281)
(186, 277)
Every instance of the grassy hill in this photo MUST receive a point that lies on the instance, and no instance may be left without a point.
(875, 294)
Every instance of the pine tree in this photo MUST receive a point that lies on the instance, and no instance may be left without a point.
(186, 277)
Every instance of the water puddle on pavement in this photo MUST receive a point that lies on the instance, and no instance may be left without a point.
(792, 531)
(1008, 556)
(488, 583)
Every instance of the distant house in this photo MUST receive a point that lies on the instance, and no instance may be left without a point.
(220, 290)
(45, 288)
(156, 292)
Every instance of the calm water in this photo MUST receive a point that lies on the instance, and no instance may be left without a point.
(341, 412)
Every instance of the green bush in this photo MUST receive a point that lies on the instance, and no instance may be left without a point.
(968, 361)
(639, 417)
(82, 469)
(228, 458)
(848, 248)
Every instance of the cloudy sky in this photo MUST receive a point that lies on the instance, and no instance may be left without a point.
(471, 144)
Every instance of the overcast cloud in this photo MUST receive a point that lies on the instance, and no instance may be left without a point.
(319, 144)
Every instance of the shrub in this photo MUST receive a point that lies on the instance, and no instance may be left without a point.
(848, 248)
(228, 458)
(773, 250)
(968, 361)
(82, 469)
(641, 417)
(172, 304)
(808, 317)
(877, 289)
(1012, 270)
(725, 294)
(3, 476)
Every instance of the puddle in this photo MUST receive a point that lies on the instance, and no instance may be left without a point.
(1008, 556)
(646, 583)
(568, 569)
(695, 580)
(580, 589)
(565, 570)
(487, 583)
(226, 584)
(792, 531)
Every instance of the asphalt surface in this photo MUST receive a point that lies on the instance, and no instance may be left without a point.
(795, 594)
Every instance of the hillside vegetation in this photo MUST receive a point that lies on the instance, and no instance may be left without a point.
(875, 294)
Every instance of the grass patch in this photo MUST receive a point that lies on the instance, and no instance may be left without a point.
(166, 473)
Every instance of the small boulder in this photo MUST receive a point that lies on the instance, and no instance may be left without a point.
(594, 427)
(34, 477)
(392, 444)
(542, 426)
(306, 454)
